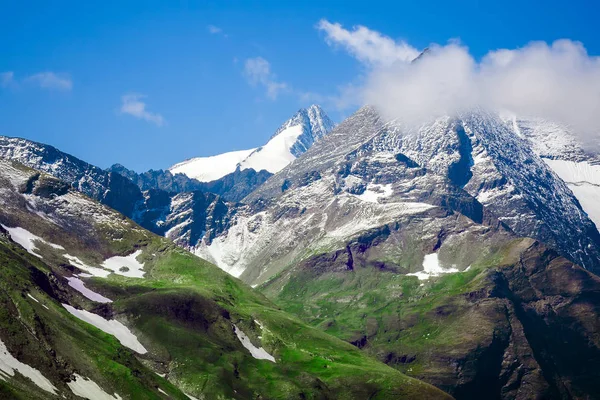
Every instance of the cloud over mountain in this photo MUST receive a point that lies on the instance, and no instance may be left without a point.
(558, 81)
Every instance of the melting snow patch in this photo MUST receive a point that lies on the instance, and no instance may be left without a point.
(163, 392)
(94, 271)
(32, 298)
(126, 266)
(431, 267)
(374, 192)
(88, 389)
(190, 396)
(9, 364)
(78, 285)
(26, 239)
(112, 327)
(257, 352)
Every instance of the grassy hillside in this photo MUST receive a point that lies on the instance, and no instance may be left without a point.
(184, 312)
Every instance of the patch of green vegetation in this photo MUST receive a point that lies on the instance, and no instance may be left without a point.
(394, 317)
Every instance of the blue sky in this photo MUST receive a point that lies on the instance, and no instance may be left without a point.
(71, 69)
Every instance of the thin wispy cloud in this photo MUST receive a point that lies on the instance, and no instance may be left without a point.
(7, 79)
(51, 81)
(366, 45)
(215, 30)
(133, 105)
(212, 29)
(258, 73)
(558, 81)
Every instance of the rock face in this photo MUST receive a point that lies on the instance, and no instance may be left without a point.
(231, 187)
(476, 151)
(185, 217)
(109, 188)
(566, 156)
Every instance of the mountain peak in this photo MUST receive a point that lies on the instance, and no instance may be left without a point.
(294, 137)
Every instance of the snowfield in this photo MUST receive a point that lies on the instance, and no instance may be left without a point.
(9, 364)
(127, 266)
(293, 138)
(112, 327)
(88, 389)
(583, 178)
(206, 169)
(432, 268)
(27, 240)
(257, 352)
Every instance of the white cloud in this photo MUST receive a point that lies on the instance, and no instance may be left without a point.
(258, 72)
(367, 46)
(7, 78)
(558, 81)
(132, 104)
(50, 80)
(213, 29)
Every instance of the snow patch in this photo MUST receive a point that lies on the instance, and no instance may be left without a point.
(88, 389)
(9, 364)
(257, 352)
(78, 285)
(374, 192)
(27, 240)
(93, 271)
(127, 266)
(32, 298)
(431, 268)
(112, 327)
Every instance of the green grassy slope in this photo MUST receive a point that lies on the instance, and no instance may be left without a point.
(497, 330)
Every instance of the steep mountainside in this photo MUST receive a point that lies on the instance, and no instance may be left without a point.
(403, 243)
(180, 216)
(476, 151)
(518, 323)
(291, 140)
(109, 188)
(564, 153)
(94, 306)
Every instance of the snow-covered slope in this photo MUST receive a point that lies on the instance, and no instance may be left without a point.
(291, 140)
(477, 151)
(565, 154)
(206, 169)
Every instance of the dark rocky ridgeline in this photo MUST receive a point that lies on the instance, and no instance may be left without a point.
(186, 217)
(232, 187)
(157, 200)
(107, 187)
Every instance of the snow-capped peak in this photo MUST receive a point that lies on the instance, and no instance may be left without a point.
(206, 169)
(291, 140)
